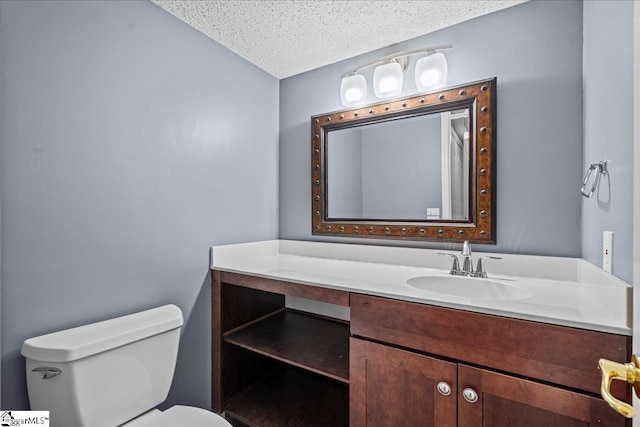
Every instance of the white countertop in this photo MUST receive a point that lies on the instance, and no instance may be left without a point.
(563, 291)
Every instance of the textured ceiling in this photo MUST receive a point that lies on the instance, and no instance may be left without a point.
(288, 37)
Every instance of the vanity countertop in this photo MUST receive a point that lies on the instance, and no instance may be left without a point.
(563, 291)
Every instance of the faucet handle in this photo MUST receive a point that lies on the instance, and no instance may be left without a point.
(456, 265)
(480, 269)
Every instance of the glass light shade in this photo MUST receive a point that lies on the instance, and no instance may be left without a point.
(353, 90)
(431, 72)
(387, 80)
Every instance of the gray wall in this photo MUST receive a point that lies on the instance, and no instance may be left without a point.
(608, 130)
(401, 155)
(344, 186)
(535, 51)
(126, 154)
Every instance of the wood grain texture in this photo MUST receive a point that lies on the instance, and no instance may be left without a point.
(557, 354)
(316, 293)
(312, 343)
(505, 401)
(292, 398)
(232, 306)
(392, 387)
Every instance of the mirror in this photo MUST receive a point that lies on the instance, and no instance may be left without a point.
(367, 164)
(415, 168)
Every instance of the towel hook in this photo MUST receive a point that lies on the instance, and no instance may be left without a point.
(594, 172)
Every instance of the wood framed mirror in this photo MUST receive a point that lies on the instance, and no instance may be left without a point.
(416, 168)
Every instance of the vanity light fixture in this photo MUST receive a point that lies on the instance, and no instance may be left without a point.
(430, 73)
(387, 79)
(353, 90)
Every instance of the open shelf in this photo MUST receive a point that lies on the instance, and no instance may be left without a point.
(313, 343)
(293, 398)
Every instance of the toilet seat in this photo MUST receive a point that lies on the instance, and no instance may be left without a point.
(183, 416)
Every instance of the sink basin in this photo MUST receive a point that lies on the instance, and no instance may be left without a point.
(469, 287)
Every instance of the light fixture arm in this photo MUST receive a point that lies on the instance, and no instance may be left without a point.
(396, 56)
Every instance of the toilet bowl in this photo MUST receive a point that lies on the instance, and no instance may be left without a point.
(111, 373)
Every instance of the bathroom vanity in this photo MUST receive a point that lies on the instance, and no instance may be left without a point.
(395, 354)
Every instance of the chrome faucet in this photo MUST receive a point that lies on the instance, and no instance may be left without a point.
(467, 263)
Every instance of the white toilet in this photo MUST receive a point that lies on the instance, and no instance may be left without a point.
(111, 373)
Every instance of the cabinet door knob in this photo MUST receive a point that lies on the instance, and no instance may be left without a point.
(444, 388)
(470, 395)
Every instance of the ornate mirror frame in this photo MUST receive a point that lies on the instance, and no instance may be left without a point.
(480, 227)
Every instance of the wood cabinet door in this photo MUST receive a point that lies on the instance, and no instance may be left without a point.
(505, 401)
(392, 388)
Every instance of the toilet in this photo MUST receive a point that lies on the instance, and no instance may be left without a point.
(111, 373)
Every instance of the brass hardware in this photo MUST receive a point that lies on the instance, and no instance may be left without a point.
(629, 372)
(441, 97)
(462, 93)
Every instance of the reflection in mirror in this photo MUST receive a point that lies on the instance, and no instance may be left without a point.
(421, 167)
(369, 166)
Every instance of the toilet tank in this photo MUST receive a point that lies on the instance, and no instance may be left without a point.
(109, 372)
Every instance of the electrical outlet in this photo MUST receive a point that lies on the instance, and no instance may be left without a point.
(607, 251)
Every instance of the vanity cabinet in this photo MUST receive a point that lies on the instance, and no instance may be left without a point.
(392, 387)
(512, 372)
(398, 363)
(275, 367)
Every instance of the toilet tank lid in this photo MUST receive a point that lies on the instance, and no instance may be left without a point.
(76, 343)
